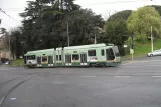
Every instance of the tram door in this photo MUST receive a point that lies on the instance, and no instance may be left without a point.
(50, 61)
(38, 61)
(68, 60)
(83, 59)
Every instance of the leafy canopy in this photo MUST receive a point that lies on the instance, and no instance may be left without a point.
(140, 22)
(116, 29)
(45, 24)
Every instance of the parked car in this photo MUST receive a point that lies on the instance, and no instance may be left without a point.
(154, 53)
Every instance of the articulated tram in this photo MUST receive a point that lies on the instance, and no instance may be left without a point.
(85, 55)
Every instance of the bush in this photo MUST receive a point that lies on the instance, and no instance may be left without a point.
(122, 51)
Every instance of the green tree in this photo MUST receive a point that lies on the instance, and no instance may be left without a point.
(45, 26)
(82, 27)
(120, 15)
(158, 8)
(16, 45)
(140, 22)
(116, 29)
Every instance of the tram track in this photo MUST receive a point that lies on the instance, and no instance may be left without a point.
(4, 96)
(8, 81)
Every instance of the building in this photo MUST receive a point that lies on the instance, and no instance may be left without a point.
(4, 50)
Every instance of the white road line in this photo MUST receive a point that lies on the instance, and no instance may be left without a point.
(134, 62)
(154, 60)
(143, 66)
(121, 76)
(57, 82)
(126, 63)
(141, 61)
(156, 76)
(88, 76)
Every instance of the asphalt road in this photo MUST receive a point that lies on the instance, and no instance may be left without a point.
(136, 84)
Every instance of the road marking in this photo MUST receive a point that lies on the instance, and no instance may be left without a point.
(88, 76)
(13, 98)
(141, 61)
(134, 62)
(122, 76)
(156, 76)
(57, 82)
(127, 63)
(154, 60)
(143, 66)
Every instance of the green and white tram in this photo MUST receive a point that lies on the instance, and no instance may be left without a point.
(85, 55)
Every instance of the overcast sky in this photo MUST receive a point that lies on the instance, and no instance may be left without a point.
(103, 7)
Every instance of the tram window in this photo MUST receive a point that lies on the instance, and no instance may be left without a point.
(44, 58)
(59, 57)
(32, 57)
(28, 57)
(110, 54)
(92, 53)
(75, 57)
(66, 58)
(102, 52)
(56, 57)
(116, 51)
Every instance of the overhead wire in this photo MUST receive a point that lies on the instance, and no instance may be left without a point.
(8, 15)
(87, 4)
(13, 10)
(84, 4)
(112, 2)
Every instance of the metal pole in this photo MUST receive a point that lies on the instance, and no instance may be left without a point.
(152, 39)
(132, 57)
(95, 40)
(132, 54)
(67, 34)
(9, 48)
(132, 47)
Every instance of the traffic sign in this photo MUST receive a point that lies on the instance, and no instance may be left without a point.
(125, 46)
(131, 51)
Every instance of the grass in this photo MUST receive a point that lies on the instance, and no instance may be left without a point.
(18, 62)
(145, 48)
(141, 49)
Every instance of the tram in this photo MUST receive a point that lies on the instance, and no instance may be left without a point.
(102, 55)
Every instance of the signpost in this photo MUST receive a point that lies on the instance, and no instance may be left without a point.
(125, 46)
(131, 51)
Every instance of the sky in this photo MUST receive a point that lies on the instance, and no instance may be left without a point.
(102, 7)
